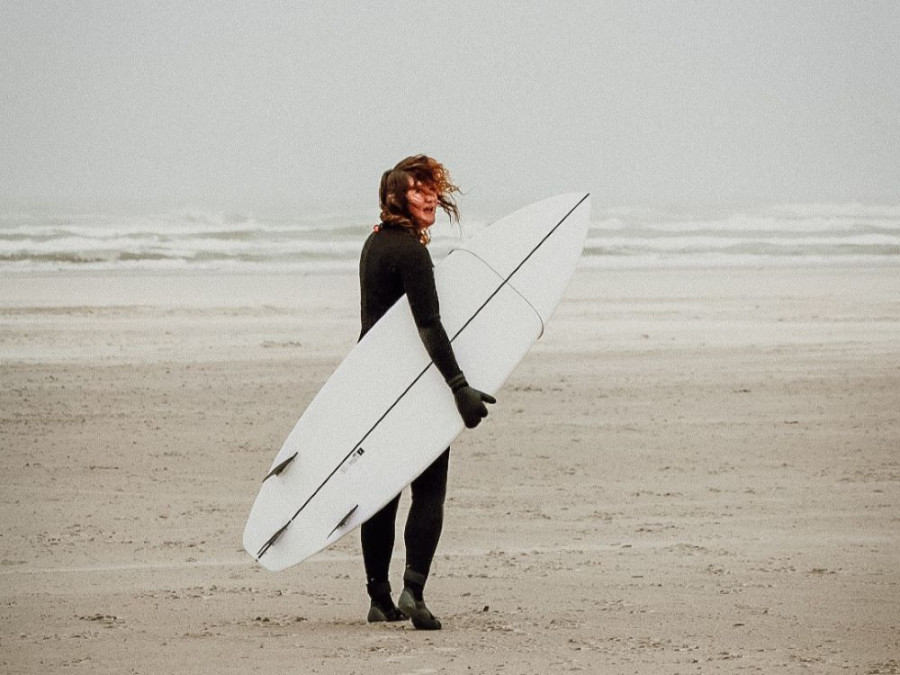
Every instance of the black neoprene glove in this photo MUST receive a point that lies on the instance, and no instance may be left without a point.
(469, 401)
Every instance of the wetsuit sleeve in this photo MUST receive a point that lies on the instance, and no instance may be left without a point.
(417, 273)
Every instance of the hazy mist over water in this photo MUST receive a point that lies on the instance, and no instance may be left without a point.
(287, 108)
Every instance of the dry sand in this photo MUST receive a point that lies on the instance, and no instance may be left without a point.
(693, 472)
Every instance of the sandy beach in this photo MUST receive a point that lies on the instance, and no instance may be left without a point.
(694, 471)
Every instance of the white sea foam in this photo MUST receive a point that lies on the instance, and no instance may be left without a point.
(850, 210)
(810, 233)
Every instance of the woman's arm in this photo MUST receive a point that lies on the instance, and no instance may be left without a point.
(417, 273)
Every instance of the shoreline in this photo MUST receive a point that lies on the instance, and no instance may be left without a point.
(588, 264)
(16, 294)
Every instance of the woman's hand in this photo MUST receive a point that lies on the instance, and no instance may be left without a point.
(470, 402)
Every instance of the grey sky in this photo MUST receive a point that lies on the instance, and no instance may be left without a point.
(304, 104)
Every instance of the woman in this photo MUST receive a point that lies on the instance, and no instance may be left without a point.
(394, 262)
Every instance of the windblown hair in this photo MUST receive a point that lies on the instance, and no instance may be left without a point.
(395, 182)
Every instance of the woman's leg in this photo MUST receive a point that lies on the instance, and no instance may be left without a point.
(426, 515)
(377, 535)
(423, 530)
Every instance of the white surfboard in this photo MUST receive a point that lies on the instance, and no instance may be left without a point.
(386, 413)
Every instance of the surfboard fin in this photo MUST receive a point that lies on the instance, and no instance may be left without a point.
(265, 547)
(343, 521)
(281, 466)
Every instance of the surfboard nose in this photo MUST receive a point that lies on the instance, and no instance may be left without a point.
(528, 255)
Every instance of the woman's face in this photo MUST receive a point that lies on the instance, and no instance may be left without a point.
(421, 199)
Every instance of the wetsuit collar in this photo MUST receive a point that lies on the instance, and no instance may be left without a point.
(398, 228)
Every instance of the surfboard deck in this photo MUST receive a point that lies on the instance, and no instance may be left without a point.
(386, 413)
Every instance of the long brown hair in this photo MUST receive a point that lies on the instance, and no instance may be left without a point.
(395, 182)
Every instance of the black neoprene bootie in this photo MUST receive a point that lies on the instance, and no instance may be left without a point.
(382, 608)
(413, 605)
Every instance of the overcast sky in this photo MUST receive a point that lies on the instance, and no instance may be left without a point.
(304, 104)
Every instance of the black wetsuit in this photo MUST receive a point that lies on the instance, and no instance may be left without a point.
(393, 263)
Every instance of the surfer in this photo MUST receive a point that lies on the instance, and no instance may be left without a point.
(394, 262)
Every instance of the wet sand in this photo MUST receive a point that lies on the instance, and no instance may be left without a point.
(694, 471)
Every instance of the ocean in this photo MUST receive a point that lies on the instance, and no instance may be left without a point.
(793, 234)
